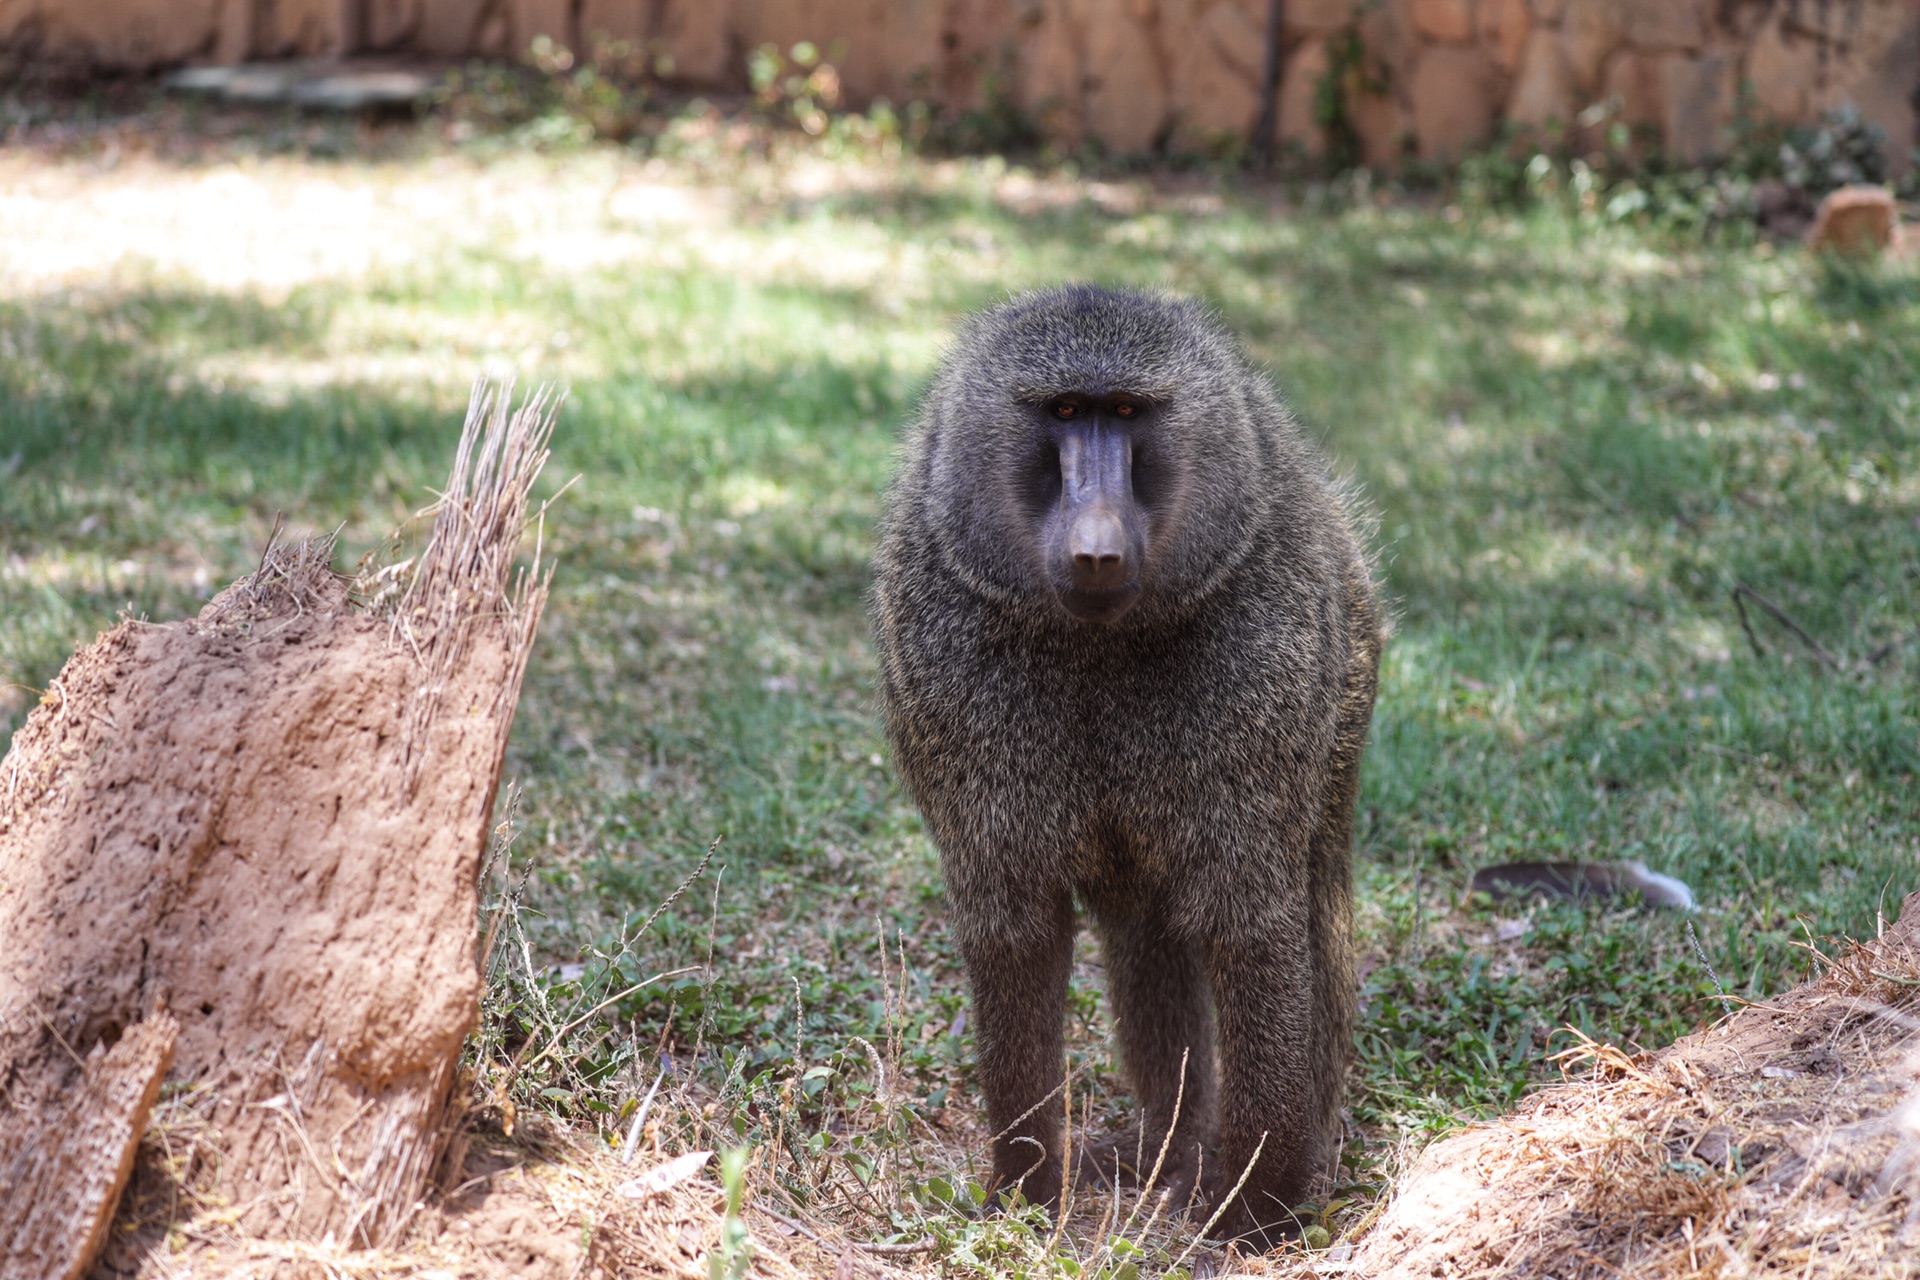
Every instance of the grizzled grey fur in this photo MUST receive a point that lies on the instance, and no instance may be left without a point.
(1185, 768)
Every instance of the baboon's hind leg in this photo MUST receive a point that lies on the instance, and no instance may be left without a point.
(1265, 1005)
(1330, 877)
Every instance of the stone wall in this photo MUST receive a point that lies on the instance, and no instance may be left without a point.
(1431, 77)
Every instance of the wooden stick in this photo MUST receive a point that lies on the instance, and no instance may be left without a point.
(1782, 617)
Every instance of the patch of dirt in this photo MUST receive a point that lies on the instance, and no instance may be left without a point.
(1784, 1141)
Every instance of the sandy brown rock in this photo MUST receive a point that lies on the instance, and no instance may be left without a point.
(1783, 67)
(1306, 17)
(1299, 84)
(1215, 78)
(1855, 220)
(1871, 51)
(297, 28)
(117, 33)
(388, 24)
(1126, 85)
(553, 19)
(1384, 128)
(1392, 44)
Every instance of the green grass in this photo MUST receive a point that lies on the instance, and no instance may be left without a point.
(1578, 438)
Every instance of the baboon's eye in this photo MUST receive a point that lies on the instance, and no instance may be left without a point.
(1066, 409)
(1125, 408)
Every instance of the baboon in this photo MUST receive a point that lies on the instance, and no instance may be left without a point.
(1128, 647)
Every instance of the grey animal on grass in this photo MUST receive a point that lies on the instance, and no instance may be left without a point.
(1128, 645)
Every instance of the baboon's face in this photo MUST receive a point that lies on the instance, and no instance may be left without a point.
(1090, 452)
(1089, 487)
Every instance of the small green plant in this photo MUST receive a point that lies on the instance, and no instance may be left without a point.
(1350, 73)
(798, 85)
(554, 98)
(1842, 149)
(998, 125)
(735, 1252)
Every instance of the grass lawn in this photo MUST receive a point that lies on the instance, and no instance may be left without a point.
(1579, 438)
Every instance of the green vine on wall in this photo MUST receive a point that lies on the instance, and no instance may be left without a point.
(1350, 73)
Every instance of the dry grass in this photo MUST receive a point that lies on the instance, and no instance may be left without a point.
(466, 573)
(1781, 1142)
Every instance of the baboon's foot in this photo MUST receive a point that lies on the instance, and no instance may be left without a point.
(1039, 1185)
(1124, 1161)
(1252, 1235)
(1258, 1223)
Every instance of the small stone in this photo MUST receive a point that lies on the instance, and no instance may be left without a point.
(1854, 220)
(1824, 1062)
(1716, 1145)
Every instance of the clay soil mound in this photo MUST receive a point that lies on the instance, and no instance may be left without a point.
(238, 863)
(1784, 1141)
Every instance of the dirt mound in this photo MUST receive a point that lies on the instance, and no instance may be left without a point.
(1783, 1142)
(250, 843)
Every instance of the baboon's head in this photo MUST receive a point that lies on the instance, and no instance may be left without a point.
(1097, 447)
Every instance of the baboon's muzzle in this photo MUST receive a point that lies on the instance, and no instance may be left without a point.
(1099, 540)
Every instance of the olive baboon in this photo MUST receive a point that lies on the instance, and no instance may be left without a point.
(1128, 648)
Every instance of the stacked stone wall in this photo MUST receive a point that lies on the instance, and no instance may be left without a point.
(1425, 78)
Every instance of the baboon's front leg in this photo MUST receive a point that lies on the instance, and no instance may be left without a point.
(1018, 972)
(1157, 985)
